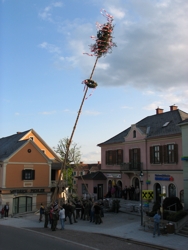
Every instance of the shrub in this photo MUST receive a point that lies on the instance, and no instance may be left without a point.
(176, 216)
(170, 201)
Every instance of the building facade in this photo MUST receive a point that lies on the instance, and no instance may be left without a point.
(152, 147)
(28, 170)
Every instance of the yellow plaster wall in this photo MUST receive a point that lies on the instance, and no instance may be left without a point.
(24, 156)
(40, 145)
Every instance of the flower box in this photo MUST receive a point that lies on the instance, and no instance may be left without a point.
(148, 182)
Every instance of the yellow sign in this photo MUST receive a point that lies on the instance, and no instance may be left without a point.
(147, 194)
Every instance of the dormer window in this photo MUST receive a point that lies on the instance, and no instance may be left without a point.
(166, 124)
(134, 134)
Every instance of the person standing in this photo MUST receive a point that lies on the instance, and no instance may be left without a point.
(137, 193)
(2, 212)
(6, 209)
(125, 192)
(62, 217)
(41, 212)
(157, 218)
(46, 216)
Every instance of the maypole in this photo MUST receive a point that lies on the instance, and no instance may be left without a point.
(103, 45)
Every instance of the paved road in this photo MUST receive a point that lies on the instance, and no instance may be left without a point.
(123, 225)
(44, 239)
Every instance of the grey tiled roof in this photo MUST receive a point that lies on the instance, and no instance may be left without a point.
(93, 176)
(8, 145)
(152, 126)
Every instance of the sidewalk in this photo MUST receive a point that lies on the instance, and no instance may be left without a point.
(124, 225)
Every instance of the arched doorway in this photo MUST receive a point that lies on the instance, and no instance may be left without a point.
(171, 190)
(158, 192)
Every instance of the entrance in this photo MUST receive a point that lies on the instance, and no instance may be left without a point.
(158, 192)
(22, 204)
(100, 191)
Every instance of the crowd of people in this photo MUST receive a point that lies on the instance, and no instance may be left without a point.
(128, 193)
(88, 210)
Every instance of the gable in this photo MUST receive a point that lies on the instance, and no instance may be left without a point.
(135, 133)
(29, 152)
(41, 144)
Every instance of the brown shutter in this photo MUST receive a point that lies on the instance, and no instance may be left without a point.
(107, 158)
(138, 155)
(161, 154)
(151, 155)
(119, 156)
(33, 174)
(165, 153)
(176, 153)
(130, 158)
(114, 157)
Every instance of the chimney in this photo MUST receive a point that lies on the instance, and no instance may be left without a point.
(98, 162)
(173, 107)
(81, 162)
(159, 111)
(18, 132)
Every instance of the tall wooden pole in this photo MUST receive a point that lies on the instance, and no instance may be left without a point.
(63, 167)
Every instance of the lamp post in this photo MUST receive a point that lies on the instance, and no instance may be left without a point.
(141, 181)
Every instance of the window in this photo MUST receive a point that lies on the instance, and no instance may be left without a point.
(156, 154)
(81, 173)
(134, 158)
(170, 153)
(134, 134)
(28, 174)
(114, 157)
(53, 174)
(74, 173)
(84, 188)
(31, 138)
(166, 124)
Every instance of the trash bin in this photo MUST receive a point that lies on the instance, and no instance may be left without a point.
(170, 228)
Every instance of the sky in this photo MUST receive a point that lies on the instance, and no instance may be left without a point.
(42, 66)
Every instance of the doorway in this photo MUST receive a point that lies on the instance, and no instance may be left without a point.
(158, 192)
(100, 191)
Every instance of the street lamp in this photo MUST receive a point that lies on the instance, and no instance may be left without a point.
(141, 181)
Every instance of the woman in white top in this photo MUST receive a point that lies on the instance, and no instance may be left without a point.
(62, 217)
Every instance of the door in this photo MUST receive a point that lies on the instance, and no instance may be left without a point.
(100, 192)
(158, 192)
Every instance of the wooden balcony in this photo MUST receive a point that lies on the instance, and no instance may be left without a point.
(131, 166)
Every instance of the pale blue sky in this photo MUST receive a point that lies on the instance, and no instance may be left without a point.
(42, 66)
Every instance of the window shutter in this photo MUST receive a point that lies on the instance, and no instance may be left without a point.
(130, 158)
(107, 158)
(114, 157)
(119, 156)
(32, 174)
(165, 152)
(151, 155)
(161, 154)
(138, 155)
(23, 174)
(176, 153)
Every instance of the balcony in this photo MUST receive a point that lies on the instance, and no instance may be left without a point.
(131, 166)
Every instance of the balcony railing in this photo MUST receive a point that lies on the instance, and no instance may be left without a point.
(131, 166)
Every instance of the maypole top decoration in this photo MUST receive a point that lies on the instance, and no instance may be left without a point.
(103, 41)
